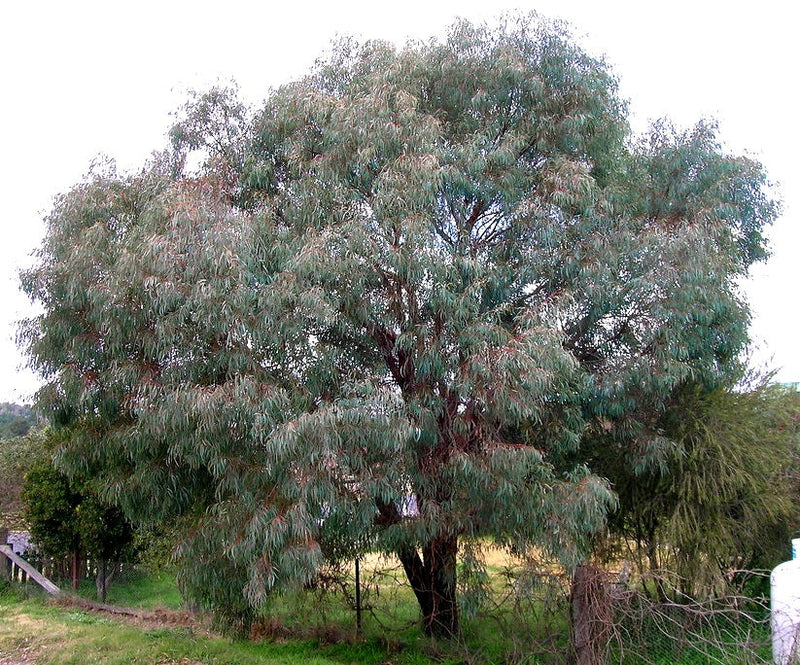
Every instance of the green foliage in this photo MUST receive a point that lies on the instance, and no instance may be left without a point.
(17, 455)
(65, 516)
(104, 531)
(49, 510)
(725, 497)
(737, 483)
(418, 274)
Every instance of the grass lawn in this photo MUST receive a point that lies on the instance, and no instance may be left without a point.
(38, 631)
(519, 616)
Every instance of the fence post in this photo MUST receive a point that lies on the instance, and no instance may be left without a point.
(358, 597)
(7, 565)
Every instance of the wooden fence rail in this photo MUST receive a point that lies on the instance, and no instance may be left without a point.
(35, 575)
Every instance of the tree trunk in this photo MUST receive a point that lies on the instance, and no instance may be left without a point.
(433, 579)
(76, 569)
(590, 616)
(655, 570)
(104, 578)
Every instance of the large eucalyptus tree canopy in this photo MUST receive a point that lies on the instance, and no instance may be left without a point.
(388, 308)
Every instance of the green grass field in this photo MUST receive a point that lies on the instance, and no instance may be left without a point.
(516, 619)
(316, 625)
(40, 631)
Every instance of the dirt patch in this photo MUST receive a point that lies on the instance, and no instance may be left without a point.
(24, 653)
(17, 659)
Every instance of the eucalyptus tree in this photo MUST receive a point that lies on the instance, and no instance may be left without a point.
(387, 309)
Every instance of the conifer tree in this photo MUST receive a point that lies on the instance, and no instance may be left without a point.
(386, 310)
(724, 497)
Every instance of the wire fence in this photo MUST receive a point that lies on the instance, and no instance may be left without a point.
(535, 613)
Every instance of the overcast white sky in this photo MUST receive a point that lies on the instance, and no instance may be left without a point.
(83, 78)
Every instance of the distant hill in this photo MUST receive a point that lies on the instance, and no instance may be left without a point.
(15, 420)
(21, 442)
